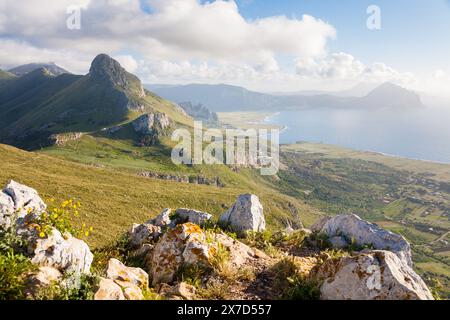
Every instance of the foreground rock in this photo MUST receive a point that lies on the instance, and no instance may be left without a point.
(342, 229)
(180, 291)
(122, 283)
(192, 216)
(151, 230)
(18, 200)
(183, 245)
(240, 254)
(245, 215)
(372, 275)
(56, 252)
(69, 255)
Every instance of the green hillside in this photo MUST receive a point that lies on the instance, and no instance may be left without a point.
(37, 105)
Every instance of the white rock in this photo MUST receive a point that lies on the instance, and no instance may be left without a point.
(372, 275)
(184, 244)
(117, 271)
(109, 290)
(162, 220)
(65, 253)
(142, 233)
(246, 214)
(364, 233)
(6, 210)
(24, 198)
(193, 216)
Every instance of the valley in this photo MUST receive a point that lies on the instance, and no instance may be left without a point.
(103, 140)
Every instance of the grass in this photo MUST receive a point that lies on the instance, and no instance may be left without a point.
(114, 198)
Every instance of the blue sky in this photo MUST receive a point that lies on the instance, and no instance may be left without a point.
(415, 34)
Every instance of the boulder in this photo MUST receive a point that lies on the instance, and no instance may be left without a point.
(184, 244)
(180, 290)
(63, 252)
(25, 199)
(240, 254)
(43, 277)
(151, 123)
(142, 233)
(122, 282)
(6, 210)
(108, 290)
(117, 271)
(193, 216)
(351, 227)
(246, 214)
(162, 220)
(371, 275)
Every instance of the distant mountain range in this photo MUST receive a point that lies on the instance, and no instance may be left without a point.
(221, 97)
(27, 68)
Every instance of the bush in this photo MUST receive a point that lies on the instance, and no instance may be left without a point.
(13, 270)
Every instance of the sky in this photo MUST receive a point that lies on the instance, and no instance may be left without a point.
(283, 45)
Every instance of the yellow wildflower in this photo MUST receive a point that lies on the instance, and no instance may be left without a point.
(42, 234)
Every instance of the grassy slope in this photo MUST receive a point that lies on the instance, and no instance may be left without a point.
(114, 198)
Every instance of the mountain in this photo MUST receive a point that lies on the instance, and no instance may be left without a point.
(39, 104)
(4, 75)
(199, 112)
(27, 68)
(220, 97)
(231, 98)
(390, 96)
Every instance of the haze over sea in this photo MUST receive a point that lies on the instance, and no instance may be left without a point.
(415, 133)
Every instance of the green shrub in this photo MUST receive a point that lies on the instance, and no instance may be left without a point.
(13, 270)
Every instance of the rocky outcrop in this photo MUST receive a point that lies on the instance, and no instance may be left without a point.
(183, 179)
(246, 214)
(343, 229)
(122, 283)
(104, 68)
(193, 216)
(151, 123)
(240, 254)
(66, 254)
(69, 255)
(108, 290)
(143, 233)
(18, 200)
(184, 245)
(62, 139)
(371, 275)
(180, 291)
(43, 277)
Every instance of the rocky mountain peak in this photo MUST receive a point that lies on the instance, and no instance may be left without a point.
(105, 68)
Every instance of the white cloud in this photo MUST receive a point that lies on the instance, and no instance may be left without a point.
(343, 66)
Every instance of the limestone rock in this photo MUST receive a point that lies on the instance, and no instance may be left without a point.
(363, 233)
(109, 290)
(151, 123)
(163, 219)
(43, 277)
(6, 210)
(182, 290)
(142, 233)
(239, 253)
(372, 275)
(25, 199)
(193, 216)
(117, 271)
(65, 253)
(246, 214)
(184, 244)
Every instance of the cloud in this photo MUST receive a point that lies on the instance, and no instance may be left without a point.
(174, 29)
(343, 66)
